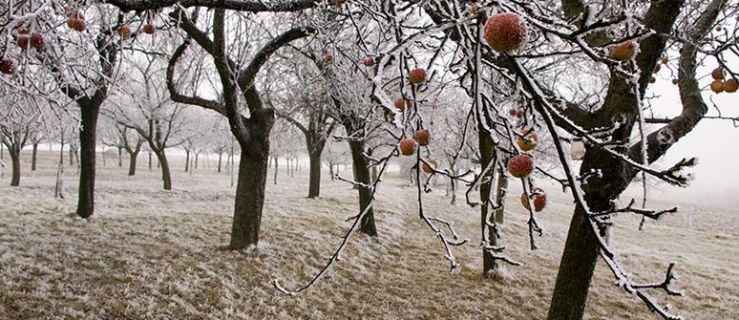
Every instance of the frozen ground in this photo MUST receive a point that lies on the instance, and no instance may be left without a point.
(154, 254)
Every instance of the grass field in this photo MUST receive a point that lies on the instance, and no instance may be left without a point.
(153, 254)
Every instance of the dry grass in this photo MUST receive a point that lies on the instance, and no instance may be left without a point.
(154, 254)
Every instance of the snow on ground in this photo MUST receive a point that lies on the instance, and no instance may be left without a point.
(148, 253)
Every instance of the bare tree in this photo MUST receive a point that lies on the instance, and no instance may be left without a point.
(238, 83)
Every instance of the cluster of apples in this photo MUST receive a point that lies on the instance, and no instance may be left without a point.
(408, 147)
(521, 166)
(34, 40)
(720, 85)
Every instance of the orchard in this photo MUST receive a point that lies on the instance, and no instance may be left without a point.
(556, 121)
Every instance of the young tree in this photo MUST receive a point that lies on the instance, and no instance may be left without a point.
(308, 109)
(15, 129)
(145, 108)
(238, 87)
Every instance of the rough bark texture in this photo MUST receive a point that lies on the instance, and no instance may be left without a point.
(314, 183)
(580, 254)
(34, 156)
(166, 175)
(86, 194)
(486, 155)
(133, 157)
(362, 175)
(15, 158)
(252, 180)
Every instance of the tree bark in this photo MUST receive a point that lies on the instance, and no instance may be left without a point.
(164, 164)
(220, 161)
(34, 156)
(187, 160)
(132, 163)
(120, 156)
(86, 163)
(486, 155)
(250, 191)
(15, 158)
(331, 170)
(314, 184)
(362, 175)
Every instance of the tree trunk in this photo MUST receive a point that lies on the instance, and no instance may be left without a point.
(331, 170)
(277, 165)
(164, 164)
(362, 175)
(487, 153)
(187, 160)
(250, 189)
(132, 163)
(502, 186)
(120, 157)
(86, 163)
(34, 156)
(149, 160)
(314, 184)
(220, 160)
(575, 270)
(197, 155)
(15, 158)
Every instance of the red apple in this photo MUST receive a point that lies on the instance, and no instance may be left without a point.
(7, 66)
(731, 85)
(652, 80)
(521, 165)
(624, 51)
(417, 76)
(76, 24)
(37, 41)
(328, 57)
(527, 140)
(149, 28)
(539, 198)
(368, 62)
(718, 73)
(675, 81)
(717, 86)
(407, 147)
(23, 41)
(124, 32)
(657, 68)
(422, 137)
(428, 169)
(401, 103)
(505, 32)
